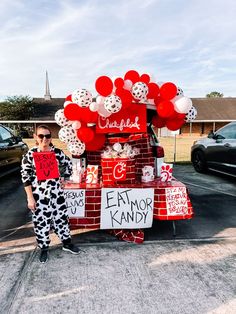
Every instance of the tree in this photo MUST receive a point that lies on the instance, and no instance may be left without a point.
(215, 94)
(17, 108)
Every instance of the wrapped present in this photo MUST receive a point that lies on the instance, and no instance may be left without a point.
(166, 172)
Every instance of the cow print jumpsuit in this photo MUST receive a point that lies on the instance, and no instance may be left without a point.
(51, 211)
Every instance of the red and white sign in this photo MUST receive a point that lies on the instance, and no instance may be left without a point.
(125, 121)
(166, 172)
(46, 165)
(176, 201)
(92, 174)
(119, 170)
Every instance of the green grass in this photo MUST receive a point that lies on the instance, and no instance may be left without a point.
(181, 154)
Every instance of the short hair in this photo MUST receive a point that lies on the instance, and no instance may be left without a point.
(43, 126)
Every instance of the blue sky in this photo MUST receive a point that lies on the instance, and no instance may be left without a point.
(191, 43)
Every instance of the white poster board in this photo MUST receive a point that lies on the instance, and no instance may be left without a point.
(176, 201)
(126, 208)
(75, 202)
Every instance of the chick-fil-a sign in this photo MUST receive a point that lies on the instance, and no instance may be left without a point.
(133, 120)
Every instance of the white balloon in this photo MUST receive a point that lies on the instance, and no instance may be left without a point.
(103, 112)
(100, 99)
(60, 118)
(67, 134)
(94, 106)
(76, 148)
(128, 84)
(112, 103)
(182, 104)
(139, 91)
(76, 125)
(82, 97)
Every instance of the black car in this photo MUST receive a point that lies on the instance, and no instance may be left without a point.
(216, 152)
(12, 148)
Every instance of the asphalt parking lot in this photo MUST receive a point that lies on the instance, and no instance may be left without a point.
(194, 272)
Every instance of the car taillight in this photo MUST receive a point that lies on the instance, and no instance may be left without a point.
(159, 151)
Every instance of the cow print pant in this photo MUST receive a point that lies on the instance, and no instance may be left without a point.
(50, 213)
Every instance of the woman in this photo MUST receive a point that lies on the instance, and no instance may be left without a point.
(45, 197)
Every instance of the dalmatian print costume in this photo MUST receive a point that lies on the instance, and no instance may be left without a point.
(51, 211)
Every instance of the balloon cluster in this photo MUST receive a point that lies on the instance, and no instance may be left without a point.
(77, 123)
(80, 111)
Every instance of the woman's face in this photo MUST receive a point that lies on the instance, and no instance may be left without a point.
(43, 137)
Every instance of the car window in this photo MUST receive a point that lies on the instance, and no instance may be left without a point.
(5, 135)
(229, 132)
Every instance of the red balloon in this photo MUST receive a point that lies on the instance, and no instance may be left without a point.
(174, 124)
(119, 82)
(88, 116)
(132, 76)
(104, 85)
(158, 122)
(72, 111)
(153, 91)
(85, 134)
(69, 98)
(157, 100)
(168, 91)
(125, 96)
(165, 109)
(145, 78)
(97, 143)
(177, 115)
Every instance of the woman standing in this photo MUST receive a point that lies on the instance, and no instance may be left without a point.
(45, 196)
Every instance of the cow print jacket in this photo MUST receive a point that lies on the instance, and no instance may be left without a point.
(28, 171)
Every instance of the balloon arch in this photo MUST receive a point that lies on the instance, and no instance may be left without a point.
(80, 112)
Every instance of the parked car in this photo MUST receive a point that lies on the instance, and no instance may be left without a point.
(216, 152)
(12, 148)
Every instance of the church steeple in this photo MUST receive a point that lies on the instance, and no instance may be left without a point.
(47, 95)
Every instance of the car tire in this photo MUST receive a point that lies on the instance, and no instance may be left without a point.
(199, 161)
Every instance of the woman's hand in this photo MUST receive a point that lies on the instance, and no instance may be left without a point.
(31, 203)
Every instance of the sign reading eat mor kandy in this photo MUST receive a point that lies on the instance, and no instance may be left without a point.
(125, 121)
(126, 208)
(46, 165)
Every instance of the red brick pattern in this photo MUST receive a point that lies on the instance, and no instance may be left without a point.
(93, 203)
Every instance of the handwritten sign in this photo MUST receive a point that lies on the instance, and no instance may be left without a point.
(125, 121)
(126, 208)
(75, 202)
(46, 165)
(119, 170)
(176, 201)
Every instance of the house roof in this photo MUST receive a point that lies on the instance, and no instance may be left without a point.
(208, 109)
(215, 109)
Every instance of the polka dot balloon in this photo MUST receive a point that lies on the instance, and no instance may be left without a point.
(139, 91)
(191, 115)
(76, 148)
(112, 104)
(82, 97)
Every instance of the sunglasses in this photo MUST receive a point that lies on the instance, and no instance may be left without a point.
(41, 136)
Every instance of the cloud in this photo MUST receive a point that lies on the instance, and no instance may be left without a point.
(189, 43)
